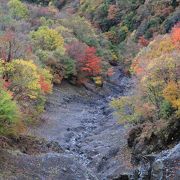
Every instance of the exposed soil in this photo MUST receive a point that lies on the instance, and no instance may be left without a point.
(29, 145)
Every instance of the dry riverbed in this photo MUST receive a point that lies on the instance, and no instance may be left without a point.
(80, 121)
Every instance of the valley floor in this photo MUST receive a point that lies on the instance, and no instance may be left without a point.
(81, 121)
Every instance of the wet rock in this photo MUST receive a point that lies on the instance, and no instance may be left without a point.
(90, 87)
(107, 111)
(157, 169)
(122, 177)
(164, 165)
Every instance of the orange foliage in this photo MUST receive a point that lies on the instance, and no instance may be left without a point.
(175, 34)
(137, 69)
(45, 87)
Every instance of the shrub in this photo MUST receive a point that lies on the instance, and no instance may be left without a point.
(166, 109)
(125, 109)
(122, 34)
(69, 66)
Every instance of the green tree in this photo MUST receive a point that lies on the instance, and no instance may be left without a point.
(17, 9)
(9, 113)
(69, 67)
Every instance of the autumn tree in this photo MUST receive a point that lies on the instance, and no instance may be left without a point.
(26, 80)
(175, 34)
(126, 109)
(91, 64)
(157, 72)
(156, 68)
(48, 39)
(172, 94)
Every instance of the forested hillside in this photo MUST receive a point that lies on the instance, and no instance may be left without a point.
(127, 22)
(39, 48)
(95, 45)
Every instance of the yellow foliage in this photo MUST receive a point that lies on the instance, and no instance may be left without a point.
(27, 79)
(48, 39)
(172, 94)
(98, 80)
(157, 70)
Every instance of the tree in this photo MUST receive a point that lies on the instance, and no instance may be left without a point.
(13, 45)
(76, 50)
(69, 67)
(126, 109)
(112, 12)
(9, 112)
(157, 70)
(172, 94)
(48, 39)
(88, 64)
(26, 80)
(7, 46)
(45, 80)
(91, 65)
(17, 9)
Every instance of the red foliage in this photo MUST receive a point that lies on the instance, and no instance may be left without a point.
(91, 65)
(86, 60)
(143, 42)
(45, 87)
